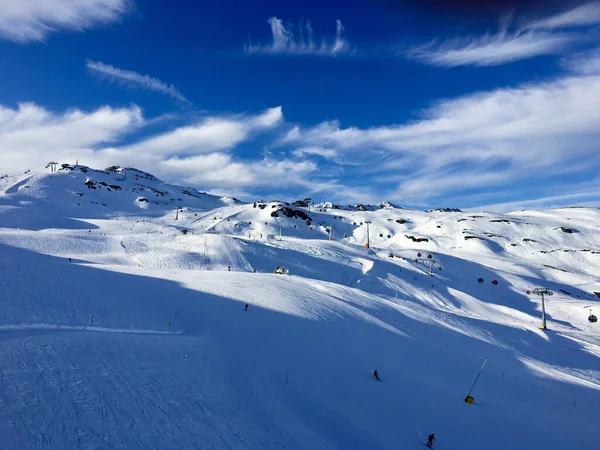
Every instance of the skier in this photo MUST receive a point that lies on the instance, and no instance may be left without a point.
(376, 375)
(495, 282)
(431, 438)
(69, 259)
(480, 280)
(246, 307)
(229, 268)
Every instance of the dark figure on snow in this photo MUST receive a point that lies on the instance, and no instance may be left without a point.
(480, 280)
(495, 282)
(229, 268)
(431, 438)
(246, 307)
(376, 375)
(69, 259)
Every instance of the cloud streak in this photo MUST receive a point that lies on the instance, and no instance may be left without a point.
(135, 79)
(24, 21)
(542, 37)
(491, 50)
(302, 42)
(584, 15)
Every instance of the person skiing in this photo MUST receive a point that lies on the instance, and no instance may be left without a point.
(431, 438)
(376, 375)
(495, 282)
(480, 280)
(246, 307)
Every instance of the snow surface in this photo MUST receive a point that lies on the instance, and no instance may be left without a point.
(172, 360)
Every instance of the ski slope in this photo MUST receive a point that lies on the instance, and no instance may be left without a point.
(119, 331)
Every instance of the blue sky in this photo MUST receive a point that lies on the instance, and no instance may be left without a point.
(426, 104)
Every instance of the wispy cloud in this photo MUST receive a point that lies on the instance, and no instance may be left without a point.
(490, 49)
(303, 42)
(135, 79)
(32, 20)
(542, 37)
(584, 15)
(585, 63)
(327, 153)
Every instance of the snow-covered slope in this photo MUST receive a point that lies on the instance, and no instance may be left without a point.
(120, 331)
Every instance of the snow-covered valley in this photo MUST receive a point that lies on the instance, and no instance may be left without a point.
(123, 321)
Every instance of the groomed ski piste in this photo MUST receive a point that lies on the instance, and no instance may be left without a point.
(123, 322)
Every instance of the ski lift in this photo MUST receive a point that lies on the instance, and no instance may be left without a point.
(419, 255)
(429, 256)
(592, 318)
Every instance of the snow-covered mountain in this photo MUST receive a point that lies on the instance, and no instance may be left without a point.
(123, 321)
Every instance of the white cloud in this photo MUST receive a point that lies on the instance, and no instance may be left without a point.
(584, 15)
(586, 63)
(32, 20)
(29, 134)
(327, 153)
(529, 40)
(135, 79)
(223, 171)
(211, 134)
(303, 42)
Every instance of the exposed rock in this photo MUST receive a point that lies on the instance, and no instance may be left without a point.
(416, 239)
(293, 214)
